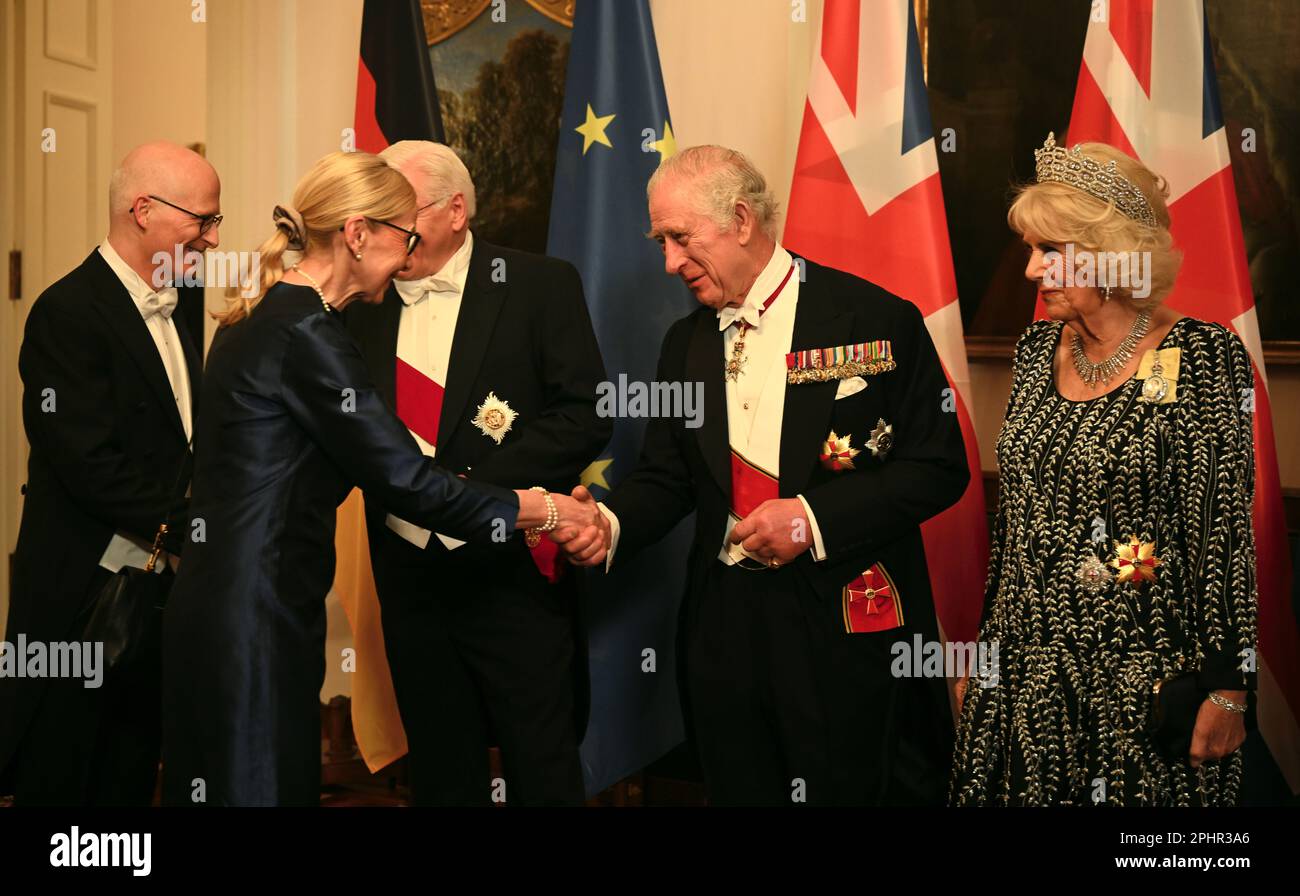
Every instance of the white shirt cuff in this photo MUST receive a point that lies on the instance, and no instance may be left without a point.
(818, 548)
(127, 550)
(613, 534)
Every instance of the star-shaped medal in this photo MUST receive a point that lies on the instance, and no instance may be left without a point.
(837, 453)
(1135, 560)
(494, 418)
(882, 438)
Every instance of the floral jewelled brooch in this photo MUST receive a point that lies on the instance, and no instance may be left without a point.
(494, 418)
(1135, 560)
(837, 454)
(882, 438)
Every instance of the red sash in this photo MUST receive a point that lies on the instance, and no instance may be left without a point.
(419, 402)
(750, 486)
(419, 405)
(546, 556)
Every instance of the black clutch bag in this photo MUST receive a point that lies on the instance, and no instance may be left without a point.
(1175, 703)
(123, 612)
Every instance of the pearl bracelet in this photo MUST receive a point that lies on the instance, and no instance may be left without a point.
(533, 537)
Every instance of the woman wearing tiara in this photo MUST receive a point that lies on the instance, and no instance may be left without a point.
(291, 423)
(1121, 587)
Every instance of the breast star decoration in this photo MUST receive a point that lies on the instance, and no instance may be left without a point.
(1094, 575)
(837, 454)
(882, 438)
(1135, 560)
(494, 417)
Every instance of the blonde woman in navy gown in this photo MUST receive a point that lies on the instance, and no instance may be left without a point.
(292, 423)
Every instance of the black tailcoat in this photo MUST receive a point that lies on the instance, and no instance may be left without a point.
(107, 444)
(504, 642)
(866, 515)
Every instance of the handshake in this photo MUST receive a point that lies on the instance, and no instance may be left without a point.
(774, 533)
(583, 532)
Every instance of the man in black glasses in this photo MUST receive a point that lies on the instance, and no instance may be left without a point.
(110, 362)
(489, 357)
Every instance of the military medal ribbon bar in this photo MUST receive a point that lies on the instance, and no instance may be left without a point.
(817, 365)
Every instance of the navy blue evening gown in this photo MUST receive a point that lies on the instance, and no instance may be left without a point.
(291, 423)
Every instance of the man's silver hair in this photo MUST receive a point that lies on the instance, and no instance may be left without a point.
(446, 173)
(721, 177)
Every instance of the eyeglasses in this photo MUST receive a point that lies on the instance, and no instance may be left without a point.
(434, 202)
(206, 222)
(412, 238)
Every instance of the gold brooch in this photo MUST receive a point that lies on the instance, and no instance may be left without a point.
(1155, 387)
(494, 417)
(1158, 373)
(882, 438)
(1135, 560)
(837, 454)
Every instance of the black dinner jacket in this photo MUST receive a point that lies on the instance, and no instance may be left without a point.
(523, 333)
(865, 515)
(106, 445)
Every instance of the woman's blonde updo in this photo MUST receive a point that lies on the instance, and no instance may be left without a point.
(1058, 213)
(339, 186)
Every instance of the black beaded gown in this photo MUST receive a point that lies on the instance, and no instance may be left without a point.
(291, 422)
(1122, 554)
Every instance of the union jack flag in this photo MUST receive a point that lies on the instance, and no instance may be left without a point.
(1147, 86)
(866, 199)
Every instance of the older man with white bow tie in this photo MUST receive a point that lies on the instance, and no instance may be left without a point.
(824, 446)
(488, 356)
(110, 362)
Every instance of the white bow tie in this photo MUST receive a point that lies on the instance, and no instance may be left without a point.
(418, 289)
(747, 313)
(163, 303)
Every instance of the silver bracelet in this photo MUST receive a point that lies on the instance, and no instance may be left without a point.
(1220, 700)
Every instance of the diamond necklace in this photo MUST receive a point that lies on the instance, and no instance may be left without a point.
(1105, 370)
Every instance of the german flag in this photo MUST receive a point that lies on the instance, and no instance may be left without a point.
(396, 100)
(396, 95)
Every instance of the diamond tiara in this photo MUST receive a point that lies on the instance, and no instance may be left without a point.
(1071, 167)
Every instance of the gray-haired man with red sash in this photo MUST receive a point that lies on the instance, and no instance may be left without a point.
(824, 445)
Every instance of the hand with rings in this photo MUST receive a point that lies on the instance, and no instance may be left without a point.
(775, 532)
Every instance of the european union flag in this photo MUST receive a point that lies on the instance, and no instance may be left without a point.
(614, 132)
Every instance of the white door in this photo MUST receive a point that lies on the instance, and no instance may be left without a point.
(55, 165)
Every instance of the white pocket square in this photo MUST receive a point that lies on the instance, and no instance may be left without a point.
(851, 386)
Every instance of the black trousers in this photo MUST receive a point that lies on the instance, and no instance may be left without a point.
(96, 746)
(787, 708)
(481, 650)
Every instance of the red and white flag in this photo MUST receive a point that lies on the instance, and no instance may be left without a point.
(866, 199)
(1147, 86)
